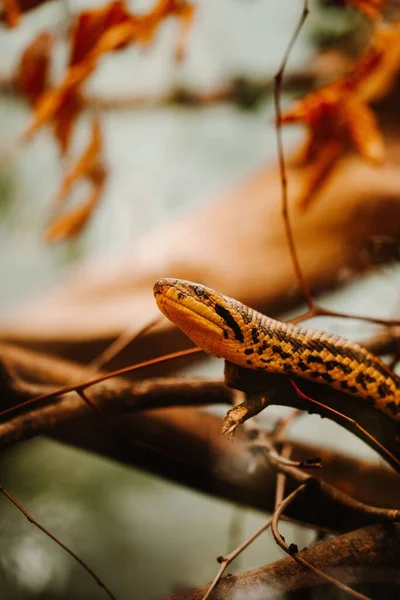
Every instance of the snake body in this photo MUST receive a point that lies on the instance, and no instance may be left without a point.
(228, 329)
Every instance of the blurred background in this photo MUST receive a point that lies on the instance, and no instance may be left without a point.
(147, 538)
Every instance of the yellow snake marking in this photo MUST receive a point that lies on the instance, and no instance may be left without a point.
(227, 328)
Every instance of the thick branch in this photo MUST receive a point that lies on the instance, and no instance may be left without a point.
(355, 414)
(367, 555)
(186, 445)
(113, 396)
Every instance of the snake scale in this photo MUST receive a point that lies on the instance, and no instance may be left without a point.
(228, 329)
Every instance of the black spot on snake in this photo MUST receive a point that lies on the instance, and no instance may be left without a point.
(334, 364)
(230, 322)
(282, 353)
(393, 407)
(361, 380)
(328, 378)
(383, 390)
(314, 359)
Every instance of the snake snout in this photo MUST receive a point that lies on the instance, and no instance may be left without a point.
(162, 285)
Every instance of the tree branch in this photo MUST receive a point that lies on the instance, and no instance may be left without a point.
(367, 555)
(186, 445)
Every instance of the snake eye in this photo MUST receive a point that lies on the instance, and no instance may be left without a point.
(199, 291)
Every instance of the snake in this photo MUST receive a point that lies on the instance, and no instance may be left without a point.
(226, 328)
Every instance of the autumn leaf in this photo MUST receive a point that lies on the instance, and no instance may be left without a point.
(12, 12)
(316, 172)
(96, 33)
(186, 17)
(91, 167)
(376, 71)
(65, 117)
(90, 27)
(148, 24)
(371, 8)
(336, 114)
(337, 118)
(362, 129)
(75, 220)
(50, 105)
(32, 76)
(86, 165)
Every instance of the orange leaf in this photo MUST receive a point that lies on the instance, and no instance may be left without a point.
(65, 117)
(46, 107)
(12, 11)
(363, 130)
(371, 8)
(72, 222)
(33, 69)
(86, 165)
(115, 38)
(318, 171)
(50, 104)
(97, 32)
(376, 71)
(186, 17)
(91, 25)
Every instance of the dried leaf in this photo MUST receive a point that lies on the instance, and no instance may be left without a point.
(12, 12)
(115, 38)
(186, 17)
(17, 7)
(337, 113)
(376, 72)
(98, 32)
(73, 222)
(318, 171)
(33, 69)
(91, 25)
(90, 166)
(50, 106)
(371, 8)
(87, 164)
(320, 111)
(46, 107)
(65, 117)
(363, 129)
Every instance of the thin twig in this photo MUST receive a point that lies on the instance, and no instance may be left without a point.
(226, 560)
(130, 335)
(320, 311)
(58, 542)
(293, 550)
(314, 309)
(281, 477)
(86, 384)
(281, 157)
(353, 422)
(282, 425)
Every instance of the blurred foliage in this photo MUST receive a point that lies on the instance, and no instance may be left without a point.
(7, 186)
(334, 28)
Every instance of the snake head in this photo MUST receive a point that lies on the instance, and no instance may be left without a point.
(211, 320)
